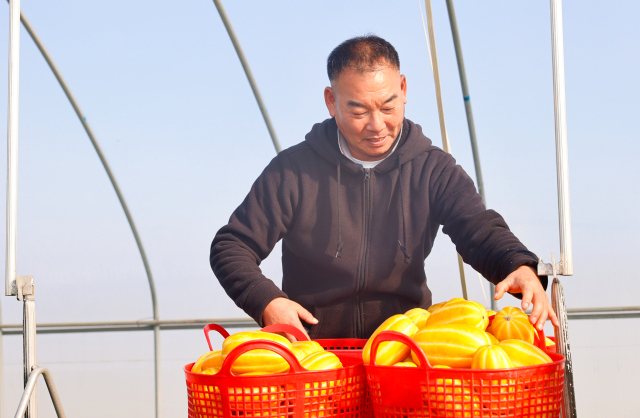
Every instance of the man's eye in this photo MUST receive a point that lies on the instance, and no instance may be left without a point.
(388, 110)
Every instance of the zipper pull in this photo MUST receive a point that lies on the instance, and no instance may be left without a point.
(367, 173)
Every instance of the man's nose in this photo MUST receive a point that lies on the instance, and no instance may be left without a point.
(375, 123)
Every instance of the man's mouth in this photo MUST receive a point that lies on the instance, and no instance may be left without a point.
(376, 141)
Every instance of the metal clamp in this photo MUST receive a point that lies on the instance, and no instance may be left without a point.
(22, 285)
(550, 269)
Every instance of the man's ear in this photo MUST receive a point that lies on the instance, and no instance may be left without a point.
(403, 86)
(330, 101)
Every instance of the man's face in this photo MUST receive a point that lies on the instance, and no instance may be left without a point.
(369, 109)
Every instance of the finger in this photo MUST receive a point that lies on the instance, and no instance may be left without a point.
(298, 325)
(289, 337)
(538, 307)
(501, 288)
(306, 316)
(553, 317)
(543, 318)
(527, 295)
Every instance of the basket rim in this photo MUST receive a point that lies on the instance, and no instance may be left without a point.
(556, 363)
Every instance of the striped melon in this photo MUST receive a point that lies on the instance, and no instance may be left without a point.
(454, 300)
(307, 347)
(491, 357)
(524, 354)
(210, 370)
(512, 323)
(390, 352)
(450, 345)
(321, 360)
(494, 340)
(418, 316)
(435, 307)
(405, 364)
(262, 360)
(465, 312)
(299, 353)
(208, 360)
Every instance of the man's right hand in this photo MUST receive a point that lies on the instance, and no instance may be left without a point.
(285, 311)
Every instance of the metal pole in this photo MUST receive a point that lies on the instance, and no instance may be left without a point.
(562, 159)
(29, 350)
(467, 107)
(465, 95)
(30, 388)
(12, 146)
(1, 365)
(114, 183)
(247, 71)
(446, 146)
(12, 167)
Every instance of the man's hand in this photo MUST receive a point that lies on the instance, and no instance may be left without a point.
(525, 280)
(285, 311)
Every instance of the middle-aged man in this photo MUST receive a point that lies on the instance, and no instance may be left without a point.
(357, 206)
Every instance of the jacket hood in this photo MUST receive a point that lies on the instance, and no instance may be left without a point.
(323, 140)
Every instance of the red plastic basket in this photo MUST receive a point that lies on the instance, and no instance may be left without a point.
(402, 392)
(300, 393)
(350, 347)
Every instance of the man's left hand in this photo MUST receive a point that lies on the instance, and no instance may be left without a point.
(525, 280)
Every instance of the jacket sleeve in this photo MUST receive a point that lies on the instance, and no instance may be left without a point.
(481, 236)
(263, 218)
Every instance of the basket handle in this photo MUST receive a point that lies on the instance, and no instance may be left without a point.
(539, 339)
(401, 338)
(215, 327)
(289, 329)
(285, 353)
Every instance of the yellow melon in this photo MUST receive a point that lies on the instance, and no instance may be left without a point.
(494, 340)
(548, 341)
(450, 345)
(299, 353)
(390, 352)
(321, 360)
(491, 357)
(454, 300)
(435, 307)
(208, 360)
(405, 364)
(307, 347)
(262, 360)
(441, 366)
(418, 316)
(465, 312)
(512, 323)
(490, 313)
(524, 354)
(210, 370)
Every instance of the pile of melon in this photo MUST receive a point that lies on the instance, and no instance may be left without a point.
(456, 334)
(310, 354)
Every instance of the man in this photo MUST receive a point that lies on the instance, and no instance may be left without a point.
(358, 205)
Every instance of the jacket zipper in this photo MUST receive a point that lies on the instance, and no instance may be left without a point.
(367, 204)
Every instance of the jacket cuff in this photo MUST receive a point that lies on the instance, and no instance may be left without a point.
(259, 297)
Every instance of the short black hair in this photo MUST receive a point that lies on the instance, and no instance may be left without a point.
(362, 53)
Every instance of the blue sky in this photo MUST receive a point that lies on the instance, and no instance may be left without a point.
(166, 97)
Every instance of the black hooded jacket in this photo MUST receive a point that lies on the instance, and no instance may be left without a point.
(354, 239)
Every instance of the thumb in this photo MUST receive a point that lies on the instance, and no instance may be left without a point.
(501, 288)
(306, 316)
